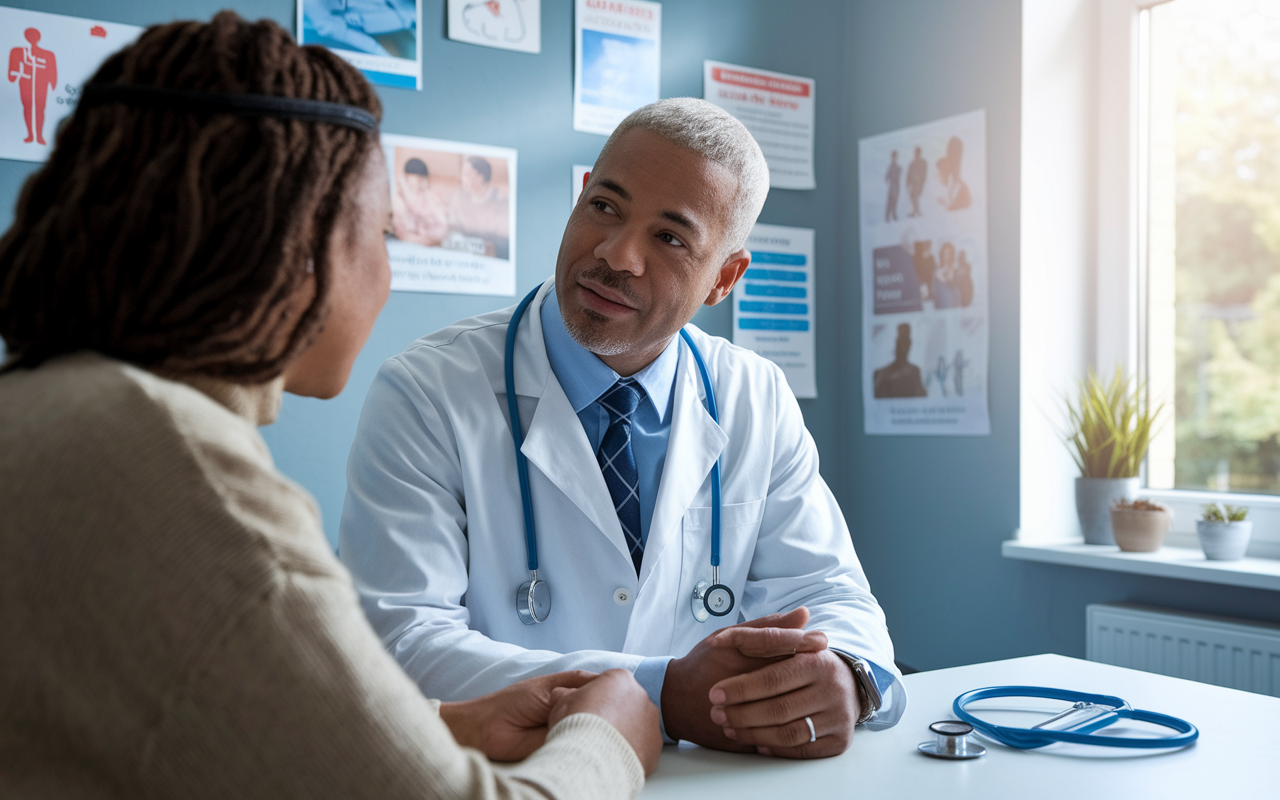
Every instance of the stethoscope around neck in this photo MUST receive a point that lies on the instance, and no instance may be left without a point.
(533, 598)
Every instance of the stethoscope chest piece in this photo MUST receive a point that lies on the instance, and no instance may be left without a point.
(953, 741)
(711, 600)
(533, 600)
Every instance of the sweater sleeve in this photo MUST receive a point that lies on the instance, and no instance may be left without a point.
(300, 700)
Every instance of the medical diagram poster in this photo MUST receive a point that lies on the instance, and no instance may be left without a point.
(925, 321)
(381, 38)
(453, 216)
(773, 313)
(616, 61)
(50, 58)
(777, 109)
(505, 24)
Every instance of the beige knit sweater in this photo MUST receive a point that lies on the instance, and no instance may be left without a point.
(173, 623)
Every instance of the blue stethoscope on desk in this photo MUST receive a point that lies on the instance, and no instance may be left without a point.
(533, 598)
(1078, 724)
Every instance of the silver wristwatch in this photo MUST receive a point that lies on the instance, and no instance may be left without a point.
(868, 693)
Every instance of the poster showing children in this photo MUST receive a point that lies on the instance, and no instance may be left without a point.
(453, 216)
(777, 109)
(923, 221)
(773, 304)
(381, 38)
(616, 60)
(50, 58)
(505, 24)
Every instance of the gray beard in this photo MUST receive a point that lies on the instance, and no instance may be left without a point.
(591, 339)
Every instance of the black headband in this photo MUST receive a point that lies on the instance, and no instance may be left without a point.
(249, 105)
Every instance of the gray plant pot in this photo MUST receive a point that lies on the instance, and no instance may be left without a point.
(1094, 497)
(1224, 541)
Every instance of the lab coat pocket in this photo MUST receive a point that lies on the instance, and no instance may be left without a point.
(739, 527)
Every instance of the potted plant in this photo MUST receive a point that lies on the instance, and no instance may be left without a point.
(1224, 532)
(1109, 427)
(1140, 525)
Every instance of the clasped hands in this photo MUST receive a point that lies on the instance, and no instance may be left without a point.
(746, 688)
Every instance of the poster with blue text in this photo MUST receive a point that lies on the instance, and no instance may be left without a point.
(773, 304)
(617, 56)
(922, 210)
(381, 38)
(50, 58)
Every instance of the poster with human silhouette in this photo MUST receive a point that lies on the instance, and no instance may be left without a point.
(922, 210)
(504, 24)
(453, 216)
(50, 56)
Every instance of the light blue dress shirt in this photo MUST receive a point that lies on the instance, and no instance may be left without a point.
(585, 379)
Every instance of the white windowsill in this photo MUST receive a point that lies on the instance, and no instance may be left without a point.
(1184, 563)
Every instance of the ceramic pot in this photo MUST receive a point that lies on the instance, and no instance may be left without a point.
(1224, 541)
(1094, 497)
(1139, 530)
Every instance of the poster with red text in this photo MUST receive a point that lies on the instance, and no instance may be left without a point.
(777, 109)
(50, 58)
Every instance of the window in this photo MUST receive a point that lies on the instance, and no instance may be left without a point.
(1208, 209)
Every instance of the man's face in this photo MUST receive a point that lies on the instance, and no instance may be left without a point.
(644, 248)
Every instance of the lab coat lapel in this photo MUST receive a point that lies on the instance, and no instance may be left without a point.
(555, 442)
(695, 444)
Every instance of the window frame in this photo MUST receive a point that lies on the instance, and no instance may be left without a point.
(1122, 248)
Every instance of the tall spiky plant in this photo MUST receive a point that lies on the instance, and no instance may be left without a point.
(1109, 426)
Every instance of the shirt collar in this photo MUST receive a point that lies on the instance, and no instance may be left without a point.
(585, 377)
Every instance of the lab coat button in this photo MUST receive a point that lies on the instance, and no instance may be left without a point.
(623, 597)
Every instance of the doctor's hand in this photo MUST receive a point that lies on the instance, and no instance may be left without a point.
(511, 723)
(624, 704)
(734, 651)
(767, 708)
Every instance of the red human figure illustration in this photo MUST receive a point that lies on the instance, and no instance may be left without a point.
(36, 71)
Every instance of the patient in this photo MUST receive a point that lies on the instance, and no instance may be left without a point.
(172, 620)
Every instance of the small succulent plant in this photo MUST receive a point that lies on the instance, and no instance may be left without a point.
(1140, 504)
(1218, 512)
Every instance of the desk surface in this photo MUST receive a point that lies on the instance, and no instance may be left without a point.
(1236, 757)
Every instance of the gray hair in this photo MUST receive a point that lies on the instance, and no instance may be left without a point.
(713, 133)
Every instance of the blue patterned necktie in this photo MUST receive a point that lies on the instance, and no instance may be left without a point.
(618, 462)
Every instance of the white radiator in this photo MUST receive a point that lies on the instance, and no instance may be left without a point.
(1233, 653)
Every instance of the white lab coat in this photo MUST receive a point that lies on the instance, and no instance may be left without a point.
(433, 532)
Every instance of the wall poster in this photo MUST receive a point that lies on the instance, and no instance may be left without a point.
(453, 216)
(773, 304)
(505, 24)
(925, 319)
(581, 172)
(381, 38)
(617, 44)
(50, 58)
(777, 109)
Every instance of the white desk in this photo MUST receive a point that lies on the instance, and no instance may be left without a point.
(1236, 757)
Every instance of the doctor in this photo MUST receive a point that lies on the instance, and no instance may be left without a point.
(620, 447)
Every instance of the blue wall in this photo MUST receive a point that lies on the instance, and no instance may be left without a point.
(927, 514)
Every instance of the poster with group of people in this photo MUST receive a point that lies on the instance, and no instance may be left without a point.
(923, 222)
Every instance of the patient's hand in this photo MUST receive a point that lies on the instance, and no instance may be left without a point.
(511, 723)
(729, 652)
(624, 704)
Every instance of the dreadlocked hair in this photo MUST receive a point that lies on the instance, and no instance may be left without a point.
(181, 241)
